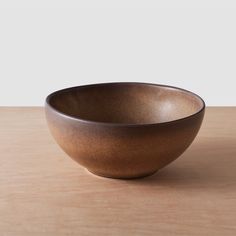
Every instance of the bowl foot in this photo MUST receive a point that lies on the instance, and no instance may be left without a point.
(111, 176)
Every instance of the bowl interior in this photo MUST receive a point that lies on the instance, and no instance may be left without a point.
(126, 103)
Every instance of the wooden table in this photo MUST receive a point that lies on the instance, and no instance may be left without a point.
(43, 192)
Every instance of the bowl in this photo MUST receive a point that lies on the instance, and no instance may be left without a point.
(124, 130)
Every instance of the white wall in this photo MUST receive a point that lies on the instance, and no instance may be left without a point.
(45, 49)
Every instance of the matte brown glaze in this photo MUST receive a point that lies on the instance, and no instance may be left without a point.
(124, 130)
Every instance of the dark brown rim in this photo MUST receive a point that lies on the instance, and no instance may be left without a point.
(47, 101)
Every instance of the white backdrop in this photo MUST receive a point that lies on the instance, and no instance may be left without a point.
(45, 49)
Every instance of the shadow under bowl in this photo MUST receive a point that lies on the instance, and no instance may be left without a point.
(124, 130)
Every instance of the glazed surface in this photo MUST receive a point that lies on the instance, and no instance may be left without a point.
(126, 103)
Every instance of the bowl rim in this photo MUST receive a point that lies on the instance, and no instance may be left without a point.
(47, 103)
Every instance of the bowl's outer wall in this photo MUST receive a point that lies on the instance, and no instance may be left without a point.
(122, 151)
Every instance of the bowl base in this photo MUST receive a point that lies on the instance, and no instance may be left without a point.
(110, 176)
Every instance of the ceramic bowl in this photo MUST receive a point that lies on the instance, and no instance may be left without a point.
(124, 130)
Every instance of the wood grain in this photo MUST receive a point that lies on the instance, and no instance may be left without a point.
(43, 192)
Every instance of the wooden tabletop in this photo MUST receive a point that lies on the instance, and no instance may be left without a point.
(44, 192)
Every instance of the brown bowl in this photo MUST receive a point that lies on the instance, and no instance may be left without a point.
(124, 130)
